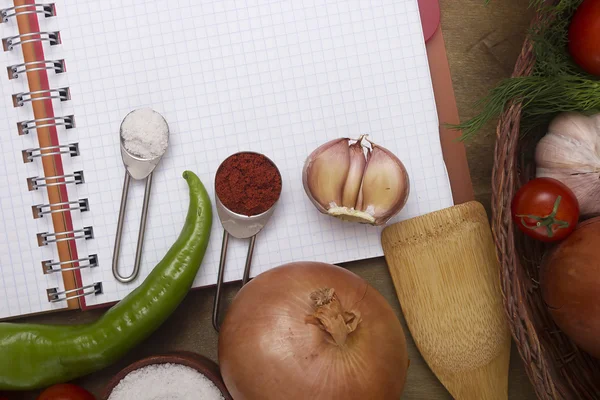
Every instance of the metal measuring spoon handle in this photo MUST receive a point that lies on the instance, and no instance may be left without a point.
(142, 230)
(223, 259)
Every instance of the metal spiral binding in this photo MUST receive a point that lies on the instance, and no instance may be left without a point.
(90, 261)
(57, 65)
(24, 127)
(71, 149)
(49, 10)
(39, 210)
(33, 183)
(54, 294)
(45, 238)
(63, 94)
(9, 43)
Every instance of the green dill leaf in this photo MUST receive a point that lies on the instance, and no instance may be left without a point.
(556, 84)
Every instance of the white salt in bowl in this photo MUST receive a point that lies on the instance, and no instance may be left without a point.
(200, 364)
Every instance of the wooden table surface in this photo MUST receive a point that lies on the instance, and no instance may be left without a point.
(483, 43)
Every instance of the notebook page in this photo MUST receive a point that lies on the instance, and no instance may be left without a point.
(22, 281)
(277, 77)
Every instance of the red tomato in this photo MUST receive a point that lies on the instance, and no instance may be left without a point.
(545, 209)
(66, 391)
(584, 34)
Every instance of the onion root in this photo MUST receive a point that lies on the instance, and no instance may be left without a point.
(331, 317)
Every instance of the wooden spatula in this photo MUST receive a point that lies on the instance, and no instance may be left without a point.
(445, 271)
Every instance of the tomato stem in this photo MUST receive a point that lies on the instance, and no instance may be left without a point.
(549, 221)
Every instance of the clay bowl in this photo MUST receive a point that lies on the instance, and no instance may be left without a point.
(200, 363)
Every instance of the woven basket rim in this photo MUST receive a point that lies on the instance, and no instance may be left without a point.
(534, 332)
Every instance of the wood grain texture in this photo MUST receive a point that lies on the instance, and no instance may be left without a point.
(476, 63)
(445, 271)
(483, 42)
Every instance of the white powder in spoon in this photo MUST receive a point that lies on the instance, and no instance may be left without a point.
(145, 133)
(165, 382)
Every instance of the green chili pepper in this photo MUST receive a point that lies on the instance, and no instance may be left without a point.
(35, 356)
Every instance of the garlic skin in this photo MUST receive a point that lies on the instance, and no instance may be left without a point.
(570, 153)
(335, 167)
(356, 180)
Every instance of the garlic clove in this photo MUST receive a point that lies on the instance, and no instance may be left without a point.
(325, 172)
(385, 186)
(360, 182)
(358, 161)
(359, 200)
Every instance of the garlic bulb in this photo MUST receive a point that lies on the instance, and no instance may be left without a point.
(356, 180)
(570, 153)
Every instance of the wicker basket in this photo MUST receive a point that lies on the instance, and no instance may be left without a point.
(556, 367)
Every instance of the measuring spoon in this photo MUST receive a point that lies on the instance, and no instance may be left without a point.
(241, 227)
(137, 168)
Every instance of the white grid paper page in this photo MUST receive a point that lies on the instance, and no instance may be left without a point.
(278, 77)
(22, 281)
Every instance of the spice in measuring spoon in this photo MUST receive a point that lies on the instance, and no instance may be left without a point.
(247, 187)
(248, 183)
(144, 135)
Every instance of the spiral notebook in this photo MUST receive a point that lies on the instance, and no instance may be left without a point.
(278, 77)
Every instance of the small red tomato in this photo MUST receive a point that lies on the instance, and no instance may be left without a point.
(545, 209)
(65, 391)
(584, 34)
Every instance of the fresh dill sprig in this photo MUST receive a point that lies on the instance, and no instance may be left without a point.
(556, 84)
(550, 39)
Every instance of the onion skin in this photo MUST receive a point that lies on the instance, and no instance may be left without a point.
(570, 282)
(270, 349)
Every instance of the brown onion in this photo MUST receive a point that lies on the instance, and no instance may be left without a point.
(570, 282)
(310, 330)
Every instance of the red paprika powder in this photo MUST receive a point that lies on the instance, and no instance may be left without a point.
(248, 183)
